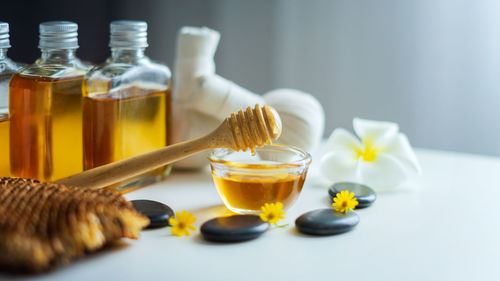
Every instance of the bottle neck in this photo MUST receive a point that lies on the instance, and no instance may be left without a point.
(3, 53)
(127, 55)
(57, 55)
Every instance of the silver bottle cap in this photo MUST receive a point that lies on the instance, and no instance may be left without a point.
(128, 34)
(58, 35)
(4, 35)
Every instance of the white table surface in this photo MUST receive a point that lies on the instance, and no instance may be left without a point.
(445, 227)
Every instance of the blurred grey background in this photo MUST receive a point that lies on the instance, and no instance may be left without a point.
(433, 66)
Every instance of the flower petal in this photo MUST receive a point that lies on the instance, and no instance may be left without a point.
(172, 221)
(263, 217)
(342, 139)
(376, 133)
(190, 219)
(384, 173)
(400, 147)
(177, 231)
(339, 165)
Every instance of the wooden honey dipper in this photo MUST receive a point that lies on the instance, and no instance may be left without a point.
(241, 131)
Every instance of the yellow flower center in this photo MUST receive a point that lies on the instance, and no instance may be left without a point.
(368, 153)
(181, 225)
(344, 204)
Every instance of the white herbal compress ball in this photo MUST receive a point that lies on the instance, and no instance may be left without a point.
(202, 99)
(302, 116)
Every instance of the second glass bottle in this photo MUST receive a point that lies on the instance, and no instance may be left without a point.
(126, 104)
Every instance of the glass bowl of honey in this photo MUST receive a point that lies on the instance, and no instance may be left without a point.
(247, 180)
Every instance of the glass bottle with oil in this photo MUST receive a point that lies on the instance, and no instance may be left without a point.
(7, 68)
(126, 104)
(46, 109)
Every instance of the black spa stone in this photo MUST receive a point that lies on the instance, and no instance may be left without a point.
(365, 195)
(157, 212)
(234, 228)
(326, 222)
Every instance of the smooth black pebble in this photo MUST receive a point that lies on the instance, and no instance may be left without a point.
(234, 228)
(365, 195)
(326, 222)
(157, 212)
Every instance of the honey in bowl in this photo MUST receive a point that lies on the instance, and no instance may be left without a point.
(246, 181)
(250, 192)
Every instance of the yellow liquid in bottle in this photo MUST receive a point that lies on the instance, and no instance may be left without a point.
(248, 193)
(119, 128)
(4, 146)
(46, 127)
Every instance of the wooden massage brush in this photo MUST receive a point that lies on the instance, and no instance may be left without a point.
(43, 225)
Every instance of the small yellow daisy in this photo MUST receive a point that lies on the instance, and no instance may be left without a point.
(344, 201)
(181, 224)
(272, 213)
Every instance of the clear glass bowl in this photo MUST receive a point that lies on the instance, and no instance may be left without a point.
(246, 181)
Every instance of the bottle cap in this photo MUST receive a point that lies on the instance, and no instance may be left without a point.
(128, 34)
(4, 35)
(58, 35)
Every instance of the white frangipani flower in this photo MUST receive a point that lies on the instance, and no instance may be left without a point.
(383, 159)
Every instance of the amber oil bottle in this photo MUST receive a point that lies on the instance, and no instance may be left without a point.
(126, 105)
(7, 68)
(46, 109)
